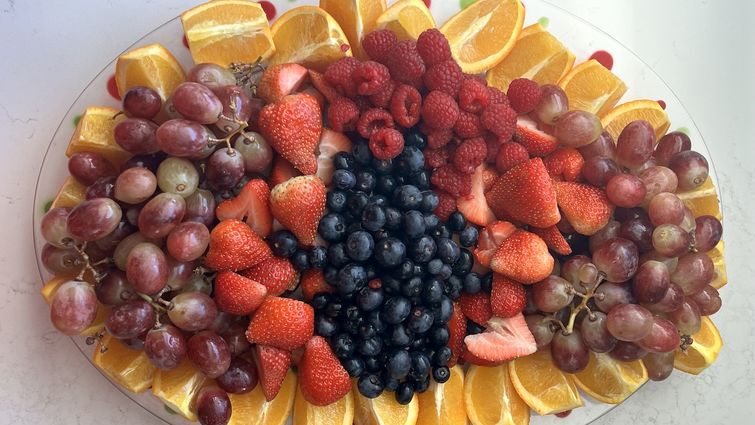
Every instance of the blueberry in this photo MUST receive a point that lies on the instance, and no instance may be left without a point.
(371, 346)
(421, 180)
(472, 283)
(440, 232)
(332, 227)
(456, 221)
(283, 243)
(420, 320)
(407, 197)
(429, 201)
(433, 291)
(468, 236)
(422, 385)
(415, 137)
(350, 278)
(335, 201)
(390, 383)
(448, 251)
(317, 257)
(344, 161)
(411, 160)
(419, 270)
(320, 301)
(389, 252)
(373, 318)
(359, 245)
(356, 203)
(343, 345)
(400, 336)
(333, 309)
(369, 270)
(372, 364)
(434, 266)
(420, 366)
(396, 309)
(443, 310)
(441, 374)
(355, 226)
(373, 217)
(405, 270)
(365, 181)
(369, 299)
(366, 330)
(439, 336)
(380, 234)
(412, 287)
(431, 221)
(325, 326)
(404, 393)
(351, 314)
(378, 200)
(385, 184)
(445, 272)
(464, 264)
(352, 327)
(337, 254)
(370, 385)
(423, 249)
(354, 366)
(391, 285)
(398, 364)
(362, 154)
(442, 356)
(453, 287)
(382, 166)
(300, 260)
(400, 180)
(473, 328)
(344, 179)
(417, 344)
(486, 282)
(393, 218)
(331, 274)
(414, 224)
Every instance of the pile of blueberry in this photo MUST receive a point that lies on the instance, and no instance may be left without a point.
(396, 269)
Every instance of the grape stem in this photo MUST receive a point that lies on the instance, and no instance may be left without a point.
(586, 297)
(88, 266)
(155, 304)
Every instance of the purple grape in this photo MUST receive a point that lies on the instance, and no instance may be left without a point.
(240, 378)
(137, 136)
(161, 215)
(209, 352)
(691, 169)
(93, 219)
(73, 307)
(147, 268)
(165, 346)
(213, 406)
(196, 102)
(142, 102)
(569, 352)
(130, 319)
(87, 167)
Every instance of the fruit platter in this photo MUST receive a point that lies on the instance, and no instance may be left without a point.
(370, 212)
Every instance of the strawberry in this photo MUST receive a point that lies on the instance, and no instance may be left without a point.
(293, 126)
(554, 239)
(524, 257)
(298, 204)
(537, 142)
(489, 176)
(318, 81)
(312, 283)
(470, 358)
(281, 171)
(281, 80)
(331, 142)
(272, 366)
(525, 193)
(503, 340)
(474, 206)
(565, 164)
(251, 205)
(277, 274)
(234, 246)
(322, 379)
(236, 294)
(586, 208)
(507, 297)
(316, 94)
(283, 323)
(490, 239)
(457, 330)
(476, 307)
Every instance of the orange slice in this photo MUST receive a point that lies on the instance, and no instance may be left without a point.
(491, 399)
(338, 413)
(150, 66)
(592, 88)
(252, 408)
(611, 381)
(130, 368)
(407, 18)
(702, 200)
(719, 266)
(443, 404)
(545, 388)
(384, 410)
(703, 351)
(323, 42)
(649, 110)
(537, 55)
(482, 34)
(94, 133)
(227, 31)
(70, 194)
(357, 19)
(178, 388)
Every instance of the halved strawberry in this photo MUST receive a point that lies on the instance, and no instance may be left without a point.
(474, 206)
(490, 239)
(281, 171)
(457, 330)
(524, 257)
(318, 81)
(565, 164)
(554, 239)
(298, 204)
(489, 176)
(252, 205)
(272, 366)
(313, 283)
(234, 246)
(470, 358)
(236, 294)
(476, 307)
(281, 80)
(277, 274)
(537, 142)
(322, 379)
(283, 323)
(586, 207)
(331, 142)
(507, 296)
(503, 340)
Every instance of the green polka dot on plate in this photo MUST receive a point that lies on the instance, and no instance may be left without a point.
(465, 3)
(684, 130)
(544, 21)
(46, 207)
(76, 120)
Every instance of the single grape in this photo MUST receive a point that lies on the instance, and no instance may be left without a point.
(541, 329)
(569, 352)
(213, 406)
(137, 136)
(222, 322)
(165, 346)
(54, 227)
(210, 353)
(188, 241)
(663, 337)
(93, 219)
(629, 322)
(132, 214)
(102, 188)
(617, 258)
(142, 102)
(655, 256)
(256, 151)
(87, 167)
(192, 311)
(650, 163)
(609, 295)
(609, 231)
(235, 337)
(182, 138)
(670, 145)
(114, 288)
(236, 104)
(626, 190)
(161, 215)
(197, 282)
(693, 272)
(595, 333)
(657, 179)
(135, 185)
(708, 300)
(670, 240)
(708, 232)
(570, 268)
(73, 307)
(196, 102)
(651, 282)
(686, 318)
(130, 319)
(240, 378)
(659, 365)
(61, 261)
(599, 170)
(672, 300)
(177, 175)
(666, 208)
(691, 169)
(150, 162)
(627, 351)
(179, 272)
(211, 75)
(577, 128)
(120, 255)
(635, 144)
(604, 146)
(111, 241)
(225, 168)
(553, 104)
(588, 276)
(639, 231)
(200, 207)
(147, 268)
(552, 294)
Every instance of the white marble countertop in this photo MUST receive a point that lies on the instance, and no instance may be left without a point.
(49, 50)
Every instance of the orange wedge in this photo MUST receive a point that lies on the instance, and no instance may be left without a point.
(592, 88)
(719, 266)
(70, 194)
(482, 34)
(338, 413)
(357, 19)
(178, 388)
(323, 42)
(702, 200)
(384, 410)
(611, 381)
(443, 404)
(227, 31)
(94, 133)
(649, 110)
(252, 408)
(491, 399)
(537, 55)
(150, 66)
(703, 351)
(130, 368)
(545, 388)
(407, 18)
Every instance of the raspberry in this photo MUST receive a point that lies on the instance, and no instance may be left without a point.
(319, 82)
(451, 180)
(436, 139)
(405, 63)
(386, 143)
(382, 98)
(406, 104)
(473, 96)
(565, 164)
(509, 155)
(446, 205)
(497, 96)
(470, 154)
(494, 145)
(445, 76)
(499, 119)
(370, 77)
(440, 110)
(476, 77)
(362, 102)
(433, 47)
(435, 158)
(524, 95)
(373, 120)
(343, 114)
(378, 44)
(339, 73)
(468, 126)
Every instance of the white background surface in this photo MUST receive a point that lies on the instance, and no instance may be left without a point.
(49, 50)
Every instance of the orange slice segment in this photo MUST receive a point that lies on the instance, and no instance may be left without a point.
(545, 388)
(384, 410)
(94, 133)
(482, 34)
(592, 88)
(702, 200)
(227, 31)
(537, 55)
(703, 351)
(252, 408)
(649, 110)
(407, 18)
(357, 18)
(150, 66)
(70, 194)
(443, 404)
(611, 381)
(130, 368)
(178, 388)
(323, 42)
(338, 413)
(491, 399)
(719, 266)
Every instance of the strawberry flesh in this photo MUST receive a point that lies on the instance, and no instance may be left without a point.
(503, 340)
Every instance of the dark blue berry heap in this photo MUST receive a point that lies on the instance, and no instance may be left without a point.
(396, 270)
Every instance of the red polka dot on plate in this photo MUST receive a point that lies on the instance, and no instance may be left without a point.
(269, 9)
(563, 414)
(427, 3)
(662, 103)
(604, 58)
(185, 41)
(112, 88)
